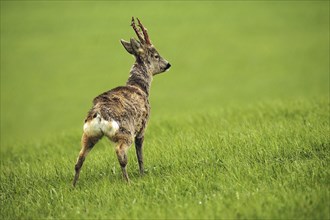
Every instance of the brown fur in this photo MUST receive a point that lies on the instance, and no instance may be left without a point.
(126, 105)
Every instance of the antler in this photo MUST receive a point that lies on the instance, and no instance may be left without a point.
(138, 32)
(145, 33)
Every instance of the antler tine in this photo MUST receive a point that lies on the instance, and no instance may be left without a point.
(136, 30)
(145, 33)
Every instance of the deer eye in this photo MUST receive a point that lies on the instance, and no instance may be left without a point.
(156, 56)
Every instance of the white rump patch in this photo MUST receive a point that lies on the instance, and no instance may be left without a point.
(98, 126)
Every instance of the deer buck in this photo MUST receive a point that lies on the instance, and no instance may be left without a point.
(122, 114)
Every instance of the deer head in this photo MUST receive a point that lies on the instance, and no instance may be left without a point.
(144, 52)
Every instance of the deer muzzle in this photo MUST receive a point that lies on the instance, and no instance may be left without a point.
(168, 65)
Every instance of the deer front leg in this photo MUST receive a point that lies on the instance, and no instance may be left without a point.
(139, 152)
(87, 143)
(121, 151)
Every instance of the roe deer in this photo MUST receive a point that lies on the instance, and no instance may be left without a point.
(122, 113)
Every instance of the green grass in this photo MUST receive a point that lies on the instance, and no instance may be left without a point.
(239, 127)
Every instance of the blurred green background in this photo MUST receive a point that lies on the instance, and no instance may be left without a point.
(56, 56)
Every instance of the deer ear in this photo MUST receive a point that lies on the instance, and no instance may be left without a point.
(127, 46)
(137, 48)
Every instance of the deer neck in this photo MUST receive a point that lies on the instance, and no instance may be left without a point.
(140, 78)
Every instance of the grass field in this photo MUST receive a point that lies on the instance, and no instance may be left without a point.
(239, 126)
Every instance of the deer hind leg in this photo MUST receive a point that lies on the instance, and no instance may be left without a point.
(87, 143)
(121, 151)
(139, 153)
